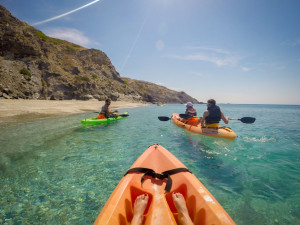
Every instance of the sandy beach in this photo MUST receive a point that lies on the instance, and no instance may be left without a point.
(16, 110)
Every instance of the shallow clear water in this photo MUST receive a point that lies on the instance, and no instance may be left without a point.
(54, 171)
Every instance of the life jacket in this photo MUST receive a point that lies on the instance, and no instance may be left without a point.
(214, 115)
(101, 116)
(191, 121)
(191, 111)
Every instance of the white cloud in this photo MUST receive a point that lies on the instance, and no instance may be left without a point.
(245, 69)
(175, 89)
(68, 34)
(200, 74)
(295, 42)
(210, 49)
(217, 60)
(159, 83)
(219, 57)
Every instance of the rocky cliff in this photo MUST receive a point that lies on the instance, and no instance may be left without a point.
(35, 66)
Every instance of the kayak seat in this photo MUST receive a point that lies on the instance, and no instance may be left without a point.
(124, 217)
(226, 128)
(197, 217)
(181, 189)
(135, 192)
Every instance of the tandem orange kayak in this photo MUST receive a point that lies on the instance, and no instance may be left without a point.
(220, 132)
(158, 173)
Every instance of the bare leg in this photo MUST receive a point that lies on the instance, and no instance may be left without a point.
(139, 209)
(183, 214)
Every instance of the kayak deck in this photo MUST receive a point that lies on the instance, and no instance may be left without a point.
(220, 132)
(95, 121)
(202, 206)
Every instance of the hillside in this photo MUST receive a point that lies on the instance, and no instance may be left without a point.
(35, 66)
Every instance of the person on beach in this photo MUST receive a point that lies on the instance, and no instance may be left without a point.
(105, 111)
(192, 112)
(212, 116)
(140, 205)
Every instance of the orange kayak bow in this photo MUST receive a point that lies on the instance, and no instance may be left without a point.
(158, 173)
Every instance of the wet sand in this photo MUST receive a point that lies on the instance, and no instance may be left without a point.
(16, 110)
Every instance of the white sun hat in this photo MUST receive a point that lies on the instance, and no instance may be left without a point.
(189, 104)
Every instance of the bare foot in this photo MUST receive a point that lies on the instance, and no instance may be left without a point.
(139, 209)
(180, 204)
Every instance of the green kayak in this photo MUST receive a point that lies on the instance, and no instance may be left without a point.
(95, 121)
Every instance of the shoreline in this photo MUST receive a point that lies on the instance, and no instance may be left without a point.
(14, 110)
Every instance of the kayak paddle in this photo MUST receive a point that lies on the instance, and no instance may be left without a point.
(122, 115)
(163, 118)
(186, 116)
(245, 119)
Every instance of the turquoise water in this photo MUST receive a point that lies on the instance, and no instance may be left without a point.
(54, 171)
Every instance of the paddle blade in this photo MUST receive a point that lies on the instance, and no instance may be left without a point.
(247, 119)
(124, 115)
(184, 116)
(163, 118)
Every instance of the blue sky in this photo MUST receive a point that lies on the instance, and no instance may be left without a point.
(235, 51)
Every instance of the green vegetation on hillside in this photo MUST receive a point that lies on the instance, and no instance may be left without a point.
(25, 72)
(41, 35)
(82, 78)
